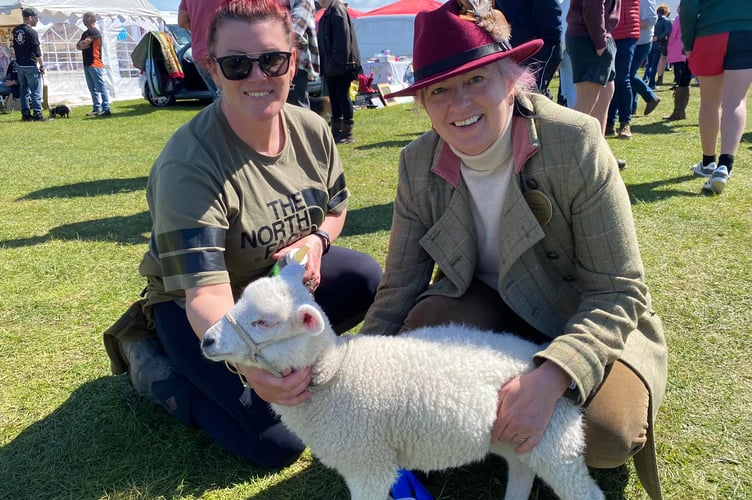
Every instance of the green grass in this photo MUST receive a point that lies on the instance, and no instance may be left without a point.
(73, 228)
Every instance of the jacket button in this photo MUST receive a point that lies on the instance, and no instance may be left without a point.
(552, 255)
(568, 278)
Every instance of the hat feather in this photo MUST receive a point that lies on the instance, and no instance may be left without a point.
(485, 16)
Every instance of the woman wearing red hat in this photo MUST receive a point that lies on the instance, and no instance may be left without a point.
(511, 215)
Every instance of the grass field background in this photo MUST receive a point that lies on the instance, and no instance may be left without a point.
(74, 225)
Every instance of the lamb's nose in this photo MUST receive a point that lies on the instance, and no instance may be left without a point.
(208, 341)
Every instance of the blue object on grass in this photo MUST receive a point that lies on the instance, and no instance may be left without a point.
(407, 487)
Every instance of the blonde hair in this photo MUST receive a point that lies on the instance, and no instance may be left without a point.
(663, 10)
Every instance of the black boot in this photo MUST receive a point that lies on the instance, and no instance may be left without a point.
(681, 99)
(347, 133)
(337, 129)
(147, 364)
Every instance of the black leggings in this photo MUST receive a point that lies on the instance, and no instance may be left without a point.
(208, 394)
(339, 96)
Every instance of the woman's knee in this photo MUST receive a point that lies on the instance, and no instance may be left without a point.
(610, 447)
(277, 447)
(617, 419)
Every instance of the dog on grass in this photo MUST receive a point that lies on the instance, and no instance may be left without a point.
(61, 111)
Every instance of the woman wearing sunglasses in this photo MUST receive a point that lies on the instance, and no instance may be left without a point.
(247, 180)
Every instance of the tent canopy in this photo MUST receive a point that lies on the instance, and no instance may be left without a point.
(78, 7)
(352, 12)
(390, 27)
(404, 7)
(122, 23)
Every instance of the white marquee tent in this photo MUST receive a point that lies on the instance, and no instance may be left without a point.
(122, 23)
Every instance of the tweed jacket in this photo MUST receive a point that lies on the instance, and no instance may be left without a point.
(578, 277)
(569, 266)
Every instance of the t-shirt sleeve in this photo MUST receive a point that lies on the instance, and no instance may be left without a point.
(338, 192)
(189, 226)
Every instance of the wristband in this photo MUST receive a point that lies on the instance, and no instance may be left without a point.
(324, 238)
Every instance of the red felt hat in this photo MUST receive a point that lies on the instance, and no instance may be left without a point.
(450, 40)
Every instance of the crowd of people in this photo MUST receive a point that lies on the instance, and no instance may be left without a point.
(510, 212)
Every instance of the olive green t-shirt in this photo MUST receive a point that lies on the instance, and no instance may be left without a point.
(220, 209)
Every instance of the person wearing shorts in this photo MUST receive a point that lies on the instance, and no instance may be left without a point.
(592, 51)
(717, 40)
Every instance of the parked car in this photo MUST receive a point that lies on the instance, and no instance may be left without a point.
(160, 81)
(163, 87)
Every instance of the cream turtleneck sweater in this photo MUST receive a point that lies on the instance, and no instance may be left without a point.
(487, 176)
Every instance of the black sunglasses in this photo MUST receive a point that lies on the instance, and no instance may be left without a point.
(238, 67)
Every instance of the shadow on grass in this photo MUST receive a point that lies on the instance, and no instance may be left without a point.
(106, 442)
(662, 127)
(89, 189)
(368, 220)
(144, 108)
(487, 480)
(647, 192)
(397, 143)
(126, 230)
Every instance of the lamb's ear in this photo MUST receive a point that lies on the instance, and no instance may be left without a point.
(311, 318)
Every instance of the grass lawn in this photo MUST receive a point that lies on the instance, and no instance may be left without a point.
(74, 225)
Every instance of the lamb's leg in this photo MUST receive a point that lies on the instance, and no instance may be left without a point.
(520, 479)
(570, 479)
(373, 483)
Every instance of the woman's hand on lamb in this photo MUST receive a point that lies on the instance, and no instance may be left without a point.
(525, 406)
(289, 390)
(314, 252)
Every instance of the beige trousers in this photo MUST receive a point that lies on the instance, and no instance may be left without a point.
(616, 415)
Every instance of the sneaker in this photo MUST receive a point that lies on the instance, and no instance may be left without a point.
(93, 113)
(704, 170)
(39, 118)
(625, 132)
(105, 114)
(147, 364)
(719, 179)
(610, 131)
(650, 107)
(26, 118)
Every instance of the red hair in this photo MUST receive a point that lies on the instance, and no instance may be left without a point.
(250, 11)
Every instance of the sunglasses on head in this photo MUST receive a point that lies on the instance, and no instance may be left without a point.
(239, 66)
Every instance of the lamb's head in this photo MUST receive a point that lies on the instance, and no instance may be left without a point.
(275, 325)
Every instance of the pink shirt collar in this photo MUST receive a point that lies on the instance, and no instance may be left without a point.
(524, 145)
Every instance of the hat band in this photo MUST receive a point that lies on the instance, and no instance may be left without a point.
(459, 59)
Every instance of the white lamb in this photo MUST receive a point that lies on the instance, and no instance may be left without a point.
(422, 401)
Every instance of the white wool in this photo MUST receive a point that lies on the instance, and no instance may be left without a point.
(423, 401)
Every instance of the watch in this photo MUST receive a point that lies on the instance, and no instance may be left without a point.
(324, 238)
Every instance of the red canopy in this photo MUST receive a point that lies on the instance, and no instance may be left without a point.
(352, 12)
(404, 7)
